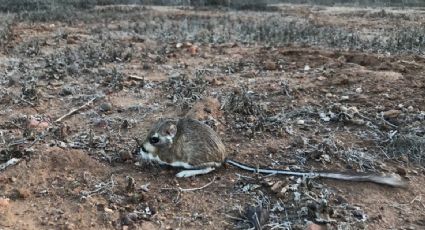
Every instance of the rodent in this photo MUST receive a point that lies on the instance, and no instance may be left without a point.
(190, 144)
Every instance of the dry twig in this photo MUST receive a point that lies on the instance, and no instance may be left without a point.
(190, 189)
(194, 189)
(75, 110)
(10, 162)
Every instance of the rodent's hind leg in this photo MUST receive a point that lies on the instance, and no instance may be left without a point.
(194, 172)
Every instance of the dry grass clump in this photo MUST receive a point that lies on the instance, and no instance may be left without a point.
(408, 145)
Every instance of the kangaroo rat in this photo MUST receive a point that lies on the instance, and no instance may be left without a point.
(194, 146)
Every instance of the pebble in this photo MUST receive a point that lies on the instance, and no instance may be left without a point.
(108, 210)
(326, 157)
(359, 90)
(343, 109)
(270, 65)
(148, 226)
(401, 171)
(314, 226)
(324, 117)
(4, 203)
(300, 122)
(126, 155)
(66, 90)
(307, 68)
(358, 121)
(344, 98)
(276, 187)
(69, 226)
(105, 107)
(393, 113)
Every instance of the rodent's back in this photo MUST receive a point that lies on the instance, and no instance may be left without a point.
(197, 144)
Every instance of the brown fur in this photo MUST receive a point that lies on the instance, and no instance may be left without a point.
(194, 143)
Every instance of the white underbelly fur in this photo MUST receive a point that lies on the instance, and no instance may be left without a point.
(150, 157)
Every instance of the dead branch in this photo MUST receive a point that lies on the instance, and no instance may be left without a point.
(75, 110)
(10, 162)
(100, 188)
(190, 189)
(136, 77)
(200, 188)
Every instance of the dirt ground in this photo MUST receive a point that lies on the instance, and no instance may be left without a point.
(298, 106)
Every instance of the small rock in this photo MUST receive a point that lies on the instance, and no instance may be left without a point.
(69, 226)
(359, 90)
(353, 110)
(362, 98)
(401, 171)
(343, 109)
(4, 203)
(393, 113)
(20, 194)
(146, 225)
(326, 157)
(216, 82)
(340, 200)
(13, 80)
(345, 98)
(272, 150)
(297, 196)
(314, 226)
(249, 75)
(146, 66)
(193, 49)
(358, 121)
(328, 95)
(270, 65)
(277, 186)
(324, 117)
(359, 214)
(410, 108)
(126, 155)
(299, 141)
(108, 210)
(66, 90)
(268, 182)
(300, 122)
(179, 45)
(105, 107)
(307, 68)
(187, 44)
(321, 78)
(33, 123)
(284, 190)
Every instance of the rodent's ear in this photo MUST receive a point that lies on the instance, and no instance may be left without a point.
(171, 130)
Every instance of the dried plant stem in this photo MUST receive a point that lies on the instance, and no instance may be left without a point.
(190, 189)
(10, 162)
(200, 188)
(75, 110)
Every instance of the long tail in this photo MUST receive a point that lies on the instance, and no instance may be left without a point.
(394, 181)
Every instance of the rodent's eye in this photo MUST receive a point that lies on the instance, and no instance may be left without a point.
(154, 140)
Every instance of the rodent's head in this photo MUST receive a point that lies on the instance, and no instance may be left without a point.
(159, 138)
